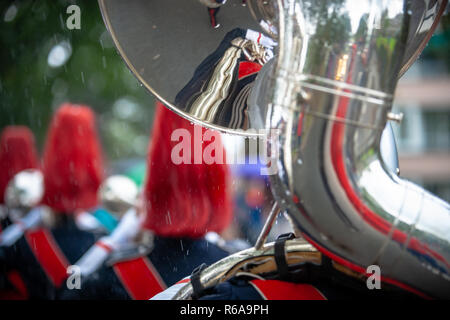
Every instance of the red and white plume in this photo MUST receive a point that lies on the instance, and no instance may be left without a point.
(184, 200)
(72, 160)
(17, 153)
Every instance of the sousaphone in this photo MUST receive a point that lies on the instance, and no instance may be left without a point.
(340, 193)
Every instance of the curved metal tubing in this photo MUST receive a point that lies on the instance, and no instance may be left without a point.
(296, 251)
(333, 86)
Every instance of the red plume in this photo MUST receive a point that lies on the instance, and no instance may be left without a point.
(72, 160)
(183, 200)
(17, 153)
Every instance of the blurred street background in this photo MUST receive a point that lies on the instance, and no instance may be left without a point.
(423, 96)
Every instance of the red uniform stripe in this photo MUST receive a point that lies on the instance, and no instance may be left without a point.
(140, 278)
(282, 290)
(48, 254)
(183, 281)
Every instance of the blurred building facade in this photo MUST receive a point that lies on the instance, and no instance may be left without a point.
(423, 137)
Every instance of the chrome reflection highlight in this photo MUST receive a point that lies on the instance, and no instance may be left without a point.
(333, 85)
(149, 35)
(425, 16)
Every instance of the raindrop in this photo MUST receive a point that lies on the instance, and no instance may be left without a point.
(323, 237)
(59, 88)
(104, 62)
(299, 161)
(168, 216)
(82, 77)
(61, 20)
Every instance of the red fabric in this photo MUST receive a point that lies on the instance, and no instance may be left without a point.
(282, 290)
(48, 254)
(140, 278)
(17, 153)
(19, 292)
(184, 200)
(72, 160)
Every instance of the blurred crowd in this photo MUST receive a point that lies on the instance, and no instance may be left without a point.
(70, 232)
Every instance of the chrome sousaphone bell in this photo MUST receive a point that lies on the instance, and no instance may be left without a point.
(164, 41)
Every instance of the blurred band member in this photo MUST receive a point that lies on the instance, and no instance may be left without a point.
(17, 153)
(213, 7)
(73, 171)
(183, 199)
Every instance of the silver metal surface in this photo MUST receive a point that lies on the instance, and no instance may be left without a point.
(267, 226)
(25, 190)
(211, 3)
(265, 13)
(164, 41)
(330, 93)
(258, 106)
(332, 89)
(388, 149)
(118, 194)
(425, 15)
(231, 265)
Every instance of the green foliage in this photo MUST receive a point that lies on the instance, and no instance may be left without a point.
(94, 74)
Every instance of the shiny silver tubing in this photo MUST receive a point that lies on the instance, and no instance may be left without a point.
(329, 95)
